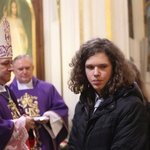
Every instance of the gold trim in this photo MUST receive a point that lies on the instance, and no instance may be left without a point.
(60, 38)
(108, 19)
(33, 35)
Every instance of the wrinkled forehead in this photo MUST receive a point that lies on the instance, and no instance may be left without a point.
(22, 63)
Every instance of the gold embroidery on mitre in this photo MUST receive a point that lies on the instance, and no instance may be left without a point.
(30, 104)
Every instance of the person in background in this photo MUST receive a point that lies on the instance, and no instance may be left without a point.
(110, 113)
(139, 80)
(14, 124)
(42, 101)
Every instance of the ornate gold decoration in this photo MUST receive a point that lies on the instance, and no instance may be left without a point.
(30, 104)
(14, 110)
(11, 104)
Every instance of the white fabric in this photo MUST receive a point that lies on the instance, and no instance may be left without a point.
(19, 136)
(56, 123)
(2, 37)
(2, 88)
(23, 86)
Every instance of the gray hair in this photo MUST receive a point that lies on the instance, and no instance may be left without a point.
(20, 57)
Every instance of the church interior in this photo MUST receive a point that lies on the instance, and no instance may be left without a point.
(56, 28)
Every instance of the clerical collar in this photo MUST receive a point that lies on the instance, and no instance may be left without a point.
(23, 86)
(2, 88)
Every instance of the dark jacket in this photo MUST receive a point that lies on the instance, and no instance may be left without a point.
(120, 123)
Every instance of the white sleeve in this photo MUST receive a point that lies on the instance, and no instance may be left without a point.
(19, 135)
(56, 123)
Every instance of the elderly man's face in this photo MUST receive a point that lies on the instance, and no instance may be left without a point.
(23, 70)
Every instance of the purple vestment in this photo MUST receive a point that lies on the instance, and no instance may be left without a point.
(42, 98)
(6, 125)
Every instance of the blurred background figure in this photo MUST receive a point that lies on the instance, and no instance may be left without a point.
(139, 80)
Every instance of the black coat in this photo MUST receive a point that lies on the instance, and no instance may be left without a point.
(120, 123)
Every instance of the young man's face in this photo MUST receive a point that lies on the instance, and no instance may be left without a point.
(23, 70)
(5, 70)
(98, 70)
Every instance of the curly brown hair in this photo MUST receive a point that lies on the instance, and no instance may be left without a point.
(122, 75)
